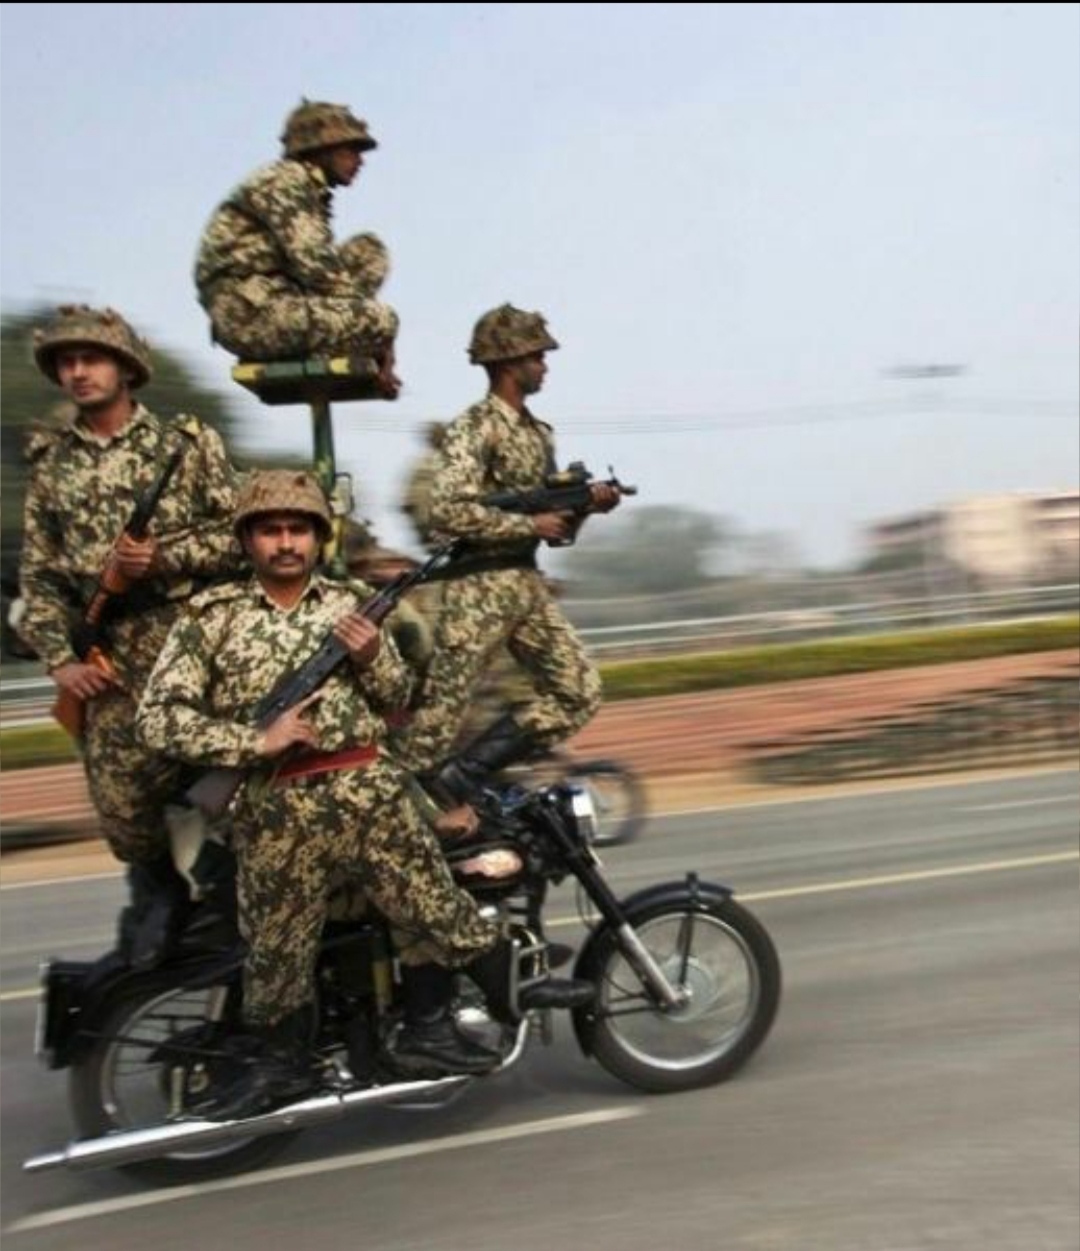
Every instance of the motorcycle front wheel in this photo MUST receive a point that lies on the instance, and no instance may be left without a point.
(723, 960)
(157, 1050)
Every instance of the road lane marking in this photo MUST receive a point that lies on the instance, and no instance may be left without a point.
(359, 1159)
(1020, 803)
(914, 875)
(62, 881)
(816, 888)
(886, 879)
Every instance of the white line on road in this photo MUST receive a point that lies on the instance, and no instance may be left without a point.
(1020, 803)
(61, 881)
(887, 879)
(916, 875)
(360, 1159)
(9, 996)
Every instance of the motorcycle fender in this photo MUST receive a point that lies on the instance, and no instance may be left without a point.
(638, 908)
(76, 998)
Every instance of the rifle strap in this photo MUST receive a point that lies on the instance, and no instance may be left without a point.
(477, 562)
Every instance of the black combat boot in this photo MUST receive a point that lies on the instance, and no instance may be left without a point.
(491, 972)
(460, 779)
(429, 1041)
(160, 904)
(278, 1069)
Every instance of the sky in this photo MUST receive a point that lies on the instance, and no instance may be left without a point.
(743, 223)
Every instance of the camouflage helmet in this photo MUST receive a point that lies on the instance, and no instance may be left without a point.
(315, 124)
(78, 325)
(506, 333)
(282, 491)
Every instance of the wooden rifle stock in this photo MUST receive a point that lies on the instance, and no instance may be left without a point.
(69, 710)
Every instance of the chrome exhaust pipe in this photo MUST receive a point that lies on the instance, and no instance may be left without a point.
(130, 1146)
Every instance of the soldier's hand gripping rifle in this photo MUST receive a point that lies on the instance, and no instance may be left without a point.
(213, 791)
(88, 636)
(567, 491)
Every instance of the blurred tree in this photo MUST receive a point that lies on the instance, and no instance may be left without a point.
(648, 549)
(910, 556)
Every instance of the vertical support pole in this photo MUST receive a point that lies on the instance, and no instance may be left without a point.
(325, 465)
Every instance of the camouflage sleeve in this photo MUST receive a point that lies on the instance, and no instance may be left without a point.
(387, 683)
(458, 485)
(292, 210)
(48, 597)
(206, 546)
(413, 635)
(173, 716)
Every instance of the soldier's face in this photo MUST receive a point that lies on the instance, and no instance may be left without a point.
(531, 371)
(283, 547)
(342, 164)
(92, 378)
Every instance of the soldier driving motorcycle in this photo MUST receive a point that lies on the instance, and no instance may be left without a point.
(321, 798)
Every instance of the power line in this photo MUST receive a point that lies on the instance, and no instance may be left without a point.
(666, 423)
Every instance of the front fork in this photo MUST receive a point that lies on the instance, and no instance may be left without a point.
(668, 997)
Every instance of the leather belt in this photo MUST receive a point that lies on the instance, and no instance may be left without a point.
(326, 762)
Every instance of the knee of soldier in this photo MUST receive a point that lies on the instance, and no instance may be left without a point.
(388, 321)
(590, 691)
(366, 257)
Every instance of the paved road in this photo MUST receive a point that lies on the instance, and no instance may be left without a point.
(919, 1090)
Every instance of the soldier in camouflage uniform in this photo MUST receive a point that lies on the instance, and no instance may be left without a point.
(340, 806)
(84, 480)
(416, 504)
(268, 272)
(496, 596)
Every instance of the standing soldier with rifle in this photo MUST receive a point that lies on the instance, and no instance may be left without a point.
(126, 515)
(495, 595)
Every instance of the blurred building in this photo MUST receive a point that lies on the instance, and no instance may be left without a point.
(997, 539)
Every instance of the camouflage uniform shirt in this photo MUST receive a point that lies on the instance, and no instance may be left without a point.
(277, 224)
(231, 649)
(81, 493)
(490, 447)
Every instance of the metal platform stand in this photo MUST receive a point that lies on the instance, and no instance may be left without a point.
(317, 383)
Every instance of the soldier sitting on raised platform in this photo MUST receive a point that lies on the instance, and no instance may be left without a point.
(268, 272)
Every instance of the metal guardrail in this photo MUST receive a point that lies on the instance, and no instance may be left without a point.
(836, 620)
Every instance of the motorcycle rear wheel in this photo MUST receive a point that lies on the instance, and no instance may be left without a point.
(120, 1084)
(722, 956)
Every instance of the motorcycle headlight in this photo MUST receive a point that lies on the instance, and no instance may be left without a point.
(583, 812)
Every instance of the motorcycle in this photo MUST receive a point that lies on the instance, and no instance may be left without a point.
(687, 987)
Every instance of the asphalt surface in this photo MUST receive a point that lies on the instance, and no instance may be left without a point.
(919, 1090)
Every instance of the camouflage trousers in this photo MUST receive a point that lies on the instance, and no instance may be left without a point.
(266, 318)
(129, 784)
(293, 845)
(480, 614)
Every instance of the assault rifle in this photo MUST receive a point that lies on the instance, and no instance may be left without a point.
(88, 636)
(213, 791)
(566, 491)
